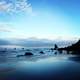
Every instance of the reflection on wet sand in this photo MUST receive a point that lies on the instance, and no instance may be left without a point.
(75, 58)
(39, 68)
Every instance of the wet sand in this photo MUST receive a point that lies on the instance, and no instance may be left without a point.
(50, 68)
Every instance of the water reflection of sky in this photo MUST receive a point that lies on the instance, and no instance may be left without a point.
(47, 68)
(43, 64)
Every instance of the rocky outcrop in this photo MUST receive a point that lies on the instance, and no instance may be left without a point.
(75, 48)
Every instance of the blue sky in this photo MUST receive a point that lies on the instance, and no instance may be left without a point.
(39, 18)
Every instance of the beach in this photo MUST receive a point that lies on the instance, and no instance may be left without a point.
(38, 68)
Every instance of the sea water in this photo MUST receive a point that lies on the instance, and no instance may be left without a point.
(48, 66)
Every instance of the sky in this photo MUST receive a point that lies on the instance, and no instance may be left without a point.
(48, 19)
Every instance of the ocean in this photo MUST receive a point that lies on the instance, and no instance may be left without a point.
(47, 66)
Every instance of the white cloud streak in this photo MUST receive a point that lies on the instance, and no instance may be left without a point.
(16, 6)
(6, 28)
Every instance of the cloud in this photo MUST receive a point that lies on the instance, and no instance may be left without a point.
(16, 6)
(4, 6)
(6, 28)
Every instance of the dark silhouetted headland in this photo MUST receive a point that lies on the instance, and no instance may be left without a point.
(74, 48)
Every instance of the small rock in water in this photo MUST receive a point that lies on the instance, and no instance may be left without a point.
(52, 49)
(28, 54)
(41, 52)
(55, 53)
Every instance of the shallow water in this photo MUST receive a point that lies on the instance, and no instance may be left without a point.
(39, 67)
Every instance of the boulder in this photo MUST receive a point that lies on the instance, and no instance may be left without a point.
(28, 54)
(41, 52)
